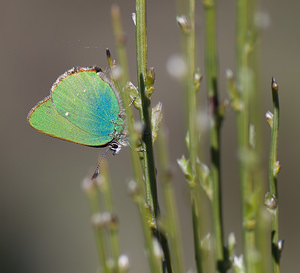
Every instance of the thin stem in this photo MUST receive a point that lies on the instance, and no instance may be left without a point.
(194, 195)
(132, 135)
(120, 40)
(149, 165)
(105, 188)
(101, 249)
(93, 196)
(170, 221)
(273, 171)
(121, 83)
(191, 92)
(187, 24)
(243, 123)
(193, 136)
(154, 259)
(145, 114)
(146, 220)
(213, 97)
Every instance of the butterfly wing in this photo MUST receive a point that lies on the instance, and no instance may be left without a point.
(82, 108)
(45, 118)
(88, 101)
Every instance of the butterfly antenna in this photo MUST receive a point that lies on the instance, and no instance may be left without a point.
(97, 171)
(132, 101)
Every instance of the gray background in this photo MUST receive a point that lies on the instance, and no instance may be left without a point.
(45, 220)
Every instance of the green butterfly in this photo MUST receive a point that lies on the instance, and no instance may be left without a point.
(83, 107)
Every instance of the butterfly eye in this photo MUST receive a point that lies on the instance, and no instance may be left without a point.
(115, 147)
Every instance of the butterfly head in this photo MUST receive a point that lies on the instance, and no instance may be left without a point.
(115, 147)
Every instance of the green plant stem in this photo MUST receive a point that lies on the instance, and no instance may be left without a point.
(105, 188)
(124, 94)
(189, 45)
(191, 92)
(193, 137)
(170, 221)
(213, 98)
(194, 195)
(133, 140)
(132, 135)
(141, 58)
(146, 220)
(149, 165)
(154, 261)
(120, 40)
(145, 114)
(101, 250)
(121, 83)
(243, 122)
(93, 197)
(273, 170)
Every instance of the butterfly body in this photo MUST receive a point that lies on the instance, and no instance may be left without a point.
(83, 107)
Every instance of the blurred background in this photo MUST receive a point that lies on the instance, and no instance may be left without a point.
(44, 214)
